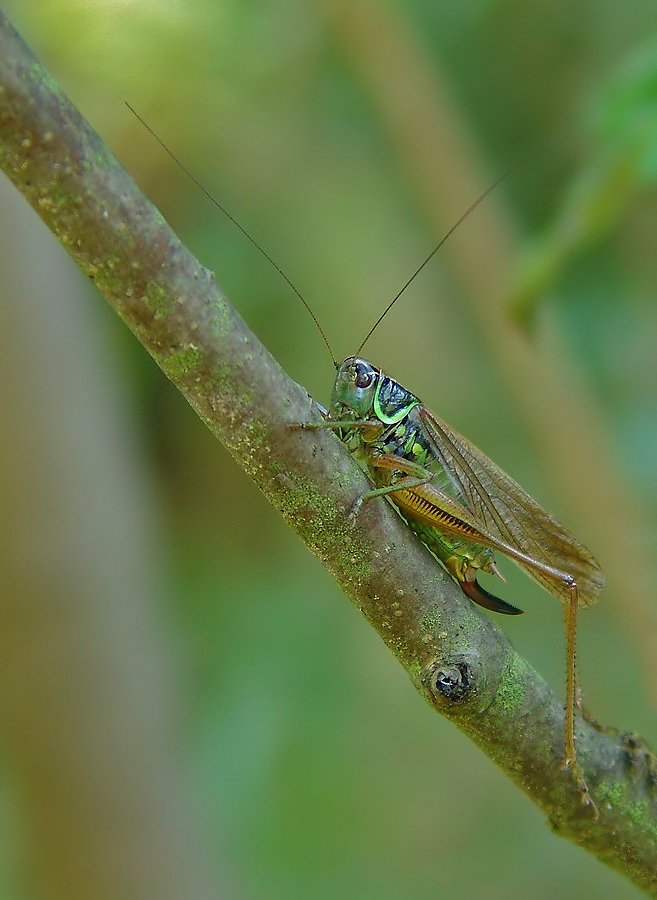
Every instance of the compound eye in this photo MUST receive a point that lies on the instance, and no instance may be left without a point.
(364, 379)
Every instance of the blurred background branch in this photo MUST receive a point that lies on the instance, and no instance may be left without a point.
(91, 702)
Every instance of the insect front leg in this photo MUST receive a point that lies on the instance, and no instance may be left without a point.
(360, 424)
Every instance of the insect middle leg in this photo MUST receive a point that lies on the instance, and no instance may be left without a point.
(414, 476)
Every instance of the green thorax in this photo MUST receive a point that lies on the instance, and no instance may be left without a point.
(363, 392)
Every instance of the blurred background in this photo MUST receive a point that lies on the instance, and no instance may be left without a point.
(189, 706)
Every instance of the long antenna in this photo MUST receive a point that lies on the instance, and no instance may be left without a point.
(435, 250)
(235, 222)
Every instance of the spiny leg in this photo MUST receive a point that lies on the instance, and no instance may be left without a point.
(415, 476)
(403, 484)
(572, 697)
(363, 424)
(570, 615)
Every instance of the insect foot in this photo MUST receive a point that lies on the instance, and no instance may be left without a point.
(352, 515)
(570, 764)
(312, 426)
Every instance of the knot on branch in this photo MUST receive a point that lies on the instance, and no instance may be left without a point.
(452, 683)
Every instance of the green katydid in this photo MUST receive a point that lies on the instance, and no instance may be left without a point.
(459, 502)
(461, 505)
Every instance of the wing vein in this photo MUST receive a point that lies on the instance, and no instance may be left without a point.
(503, 509)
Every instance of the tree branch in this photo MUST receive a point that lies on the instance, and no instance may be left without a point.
(457, 659)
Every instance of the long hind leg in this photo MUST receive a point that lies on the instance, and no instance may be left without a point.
(572, 697)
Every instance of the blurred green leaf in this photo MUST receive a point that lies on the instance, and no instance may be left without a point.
(623, 161)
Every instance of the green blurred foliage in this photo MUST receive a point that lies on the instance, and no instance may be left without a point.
(620, 163)
(318, 771)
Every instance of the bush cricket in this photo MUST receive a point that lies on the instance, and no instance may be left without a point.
(461, 505)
